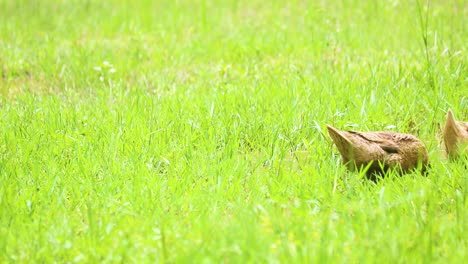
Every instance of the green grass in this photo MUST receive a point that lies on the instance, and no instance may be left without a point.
(194, 131)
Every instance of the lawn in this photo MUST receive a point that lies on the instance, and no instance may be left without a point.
(194, 131)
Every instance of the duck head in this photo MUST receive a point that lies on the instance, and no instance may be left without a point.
(455, 136)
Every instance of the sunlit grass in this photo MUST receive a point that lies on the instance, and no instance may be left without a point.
(191, 131)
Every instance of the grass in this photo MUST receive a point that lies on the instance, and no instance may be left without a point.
(194, 131)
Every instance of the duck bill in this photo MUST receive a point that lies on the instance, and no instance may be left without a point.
(451, 124)
(452, 134)
(343, 143)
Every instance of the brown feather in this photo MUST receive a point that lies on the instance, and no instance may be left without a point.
(379, 151)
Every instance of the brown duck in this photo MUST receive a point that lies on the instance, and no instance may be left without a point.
(379, 151)
(455, 137)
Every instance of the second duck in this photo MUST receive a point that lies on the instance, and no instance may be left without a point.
(379, 151)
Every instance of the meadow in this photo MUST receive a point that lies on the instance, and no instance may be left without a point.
(193, 131)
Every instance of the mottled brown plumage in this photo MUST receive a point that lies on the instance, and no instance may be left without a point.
(380, 151)
(455, 137)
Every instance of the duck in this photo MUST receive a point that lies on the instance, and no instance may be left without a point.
(455, 137)
(379, 151)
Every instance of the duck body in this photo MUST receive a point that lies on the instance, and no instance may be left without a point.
(455, 137)
(379, 151)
